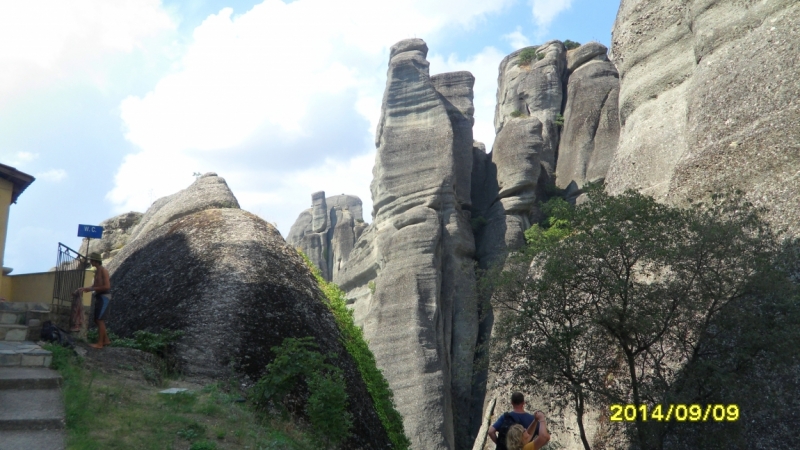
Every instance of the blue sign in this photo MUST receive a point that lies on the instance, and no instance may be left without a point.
(90, 231)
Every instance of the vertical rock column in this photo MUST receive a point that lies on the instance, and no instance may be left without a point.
(409, 277)
(458, 245)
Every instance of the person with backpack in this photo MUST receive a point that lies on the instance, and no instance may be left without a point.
(519, 438)
(100, 289)
(499, 430)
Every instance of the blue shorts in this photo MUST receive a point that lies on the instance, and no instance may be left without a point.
(100, 306)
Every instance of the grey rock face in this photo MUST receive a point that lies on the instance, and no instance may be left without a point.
(709, 101)
(534, 90)
(116, 233)
(584, 54)
(409, 276)
(455, 89)
(591, 119)
(330, 246)
(207, 192)
(228, 280)
(319, 212)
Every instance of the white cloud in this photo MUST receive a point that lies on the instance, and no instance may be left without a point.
(544, 11)
(516, 39)
(17, 159)
(256, 89)
(47, 40)
(53, 175)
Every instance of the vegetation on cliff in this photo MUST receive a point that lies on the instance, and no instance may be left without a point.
(629, 301)
(356, 345)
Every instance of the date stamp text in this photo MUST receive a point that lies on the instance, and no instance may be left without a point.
(677, 413)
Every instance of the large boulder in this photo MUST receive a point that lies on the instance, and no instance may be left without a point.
(228, 281)
(591, 119)
(409, 276)
(116, 234)
(709, 100)
(208, 191)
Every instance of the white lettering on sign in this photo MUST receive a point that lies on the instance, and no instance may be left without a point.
(86, 228)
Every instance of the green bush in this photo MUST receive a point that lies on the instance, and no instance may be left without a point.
(371, 286)
(356, 345)
(203, 445)
(527, 56)
(155, 343)
(516, 113)
(559, 120)
(295, 360)
(571, 44)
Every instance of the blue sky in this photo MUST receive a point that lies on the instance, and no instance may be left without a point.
(113, 104)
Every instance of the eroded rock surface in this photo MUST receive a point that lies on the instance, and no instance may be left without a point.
(709, 101)
(116, 233)
(207, 192)
(227, 279)
(410, 278)
(329, 246)
(591, 119)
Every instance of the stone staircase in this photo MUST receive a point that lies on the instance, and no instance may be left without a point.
(31, 409)
(20, 327)
(31, 403)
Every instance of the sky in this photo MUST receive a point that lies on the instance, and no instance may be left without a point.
(112, 104)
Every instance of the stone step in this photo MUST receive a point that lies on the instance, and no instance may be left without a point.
(24, 306)
(21, 378)
(13, 332)
(38, 440)
(12, 317)
(31, 409)
(23, 353)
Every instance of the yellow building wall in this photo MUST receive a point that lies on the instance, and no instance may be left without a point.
(38, 287)
(6, 188)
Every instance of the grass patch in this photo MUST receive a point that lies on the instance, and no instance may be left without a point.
(529, 55)
(106, 411)
(356, 345)
(516, 113)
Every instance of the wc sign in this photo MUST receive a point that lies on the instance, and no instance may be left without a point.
(90, 231)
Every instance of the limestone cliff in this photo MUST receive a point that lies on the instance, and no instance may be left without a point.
(709, 100)
(410, 277)
(327, 231)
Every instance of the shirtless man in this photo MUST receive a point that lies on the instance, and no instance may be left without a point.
(100, 287)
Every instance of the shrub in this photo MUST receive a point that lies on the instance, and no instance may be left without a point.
(559, 120)
(571, 44)
(527, 55)
(516, 113)
(356, 345)
(295, 360)
(371, 286)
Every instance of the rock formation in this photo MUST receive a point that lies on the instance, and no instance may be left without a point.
(709, 101)
(410, 275)
(228, 280)
(327, 231)
(116, 233)
(207, 192)
(591, 120)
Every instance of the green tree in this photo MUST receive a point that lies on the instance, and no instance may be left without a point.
(613, 309)
(298, 360)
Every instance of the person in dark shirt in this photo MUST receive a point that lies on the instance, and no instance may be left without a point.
(518, 413)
